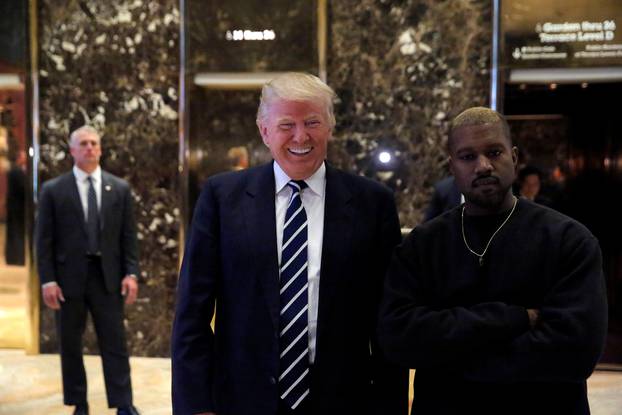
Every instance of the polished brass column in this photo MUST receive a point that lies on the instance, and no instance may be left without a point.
(32, 88)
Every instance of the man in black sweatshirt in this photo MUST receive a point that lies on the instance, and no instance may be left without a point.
(499, 304)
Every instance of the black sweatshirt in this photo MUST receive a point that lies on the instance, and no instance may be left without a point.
(465, 327)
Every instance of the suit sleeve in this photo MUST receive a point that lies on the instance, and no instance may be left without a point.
(129, 244)
(435, 206)
(390, 380)
(568, 340)
(193, 338)
(418, 334)
(44, 236)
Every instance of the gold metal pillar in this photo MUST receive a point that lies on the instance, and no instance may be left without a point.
(32, 88)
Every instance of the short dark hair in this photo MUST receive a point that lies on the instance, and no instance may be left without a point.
(478, 116)
(528, 171)
(85, 129)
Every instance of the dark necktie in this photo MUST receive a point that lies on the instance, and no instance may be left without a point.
(294, 343)
(92, 219)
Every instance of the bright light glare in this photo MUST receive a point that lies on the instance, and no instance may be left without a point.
(384, 157)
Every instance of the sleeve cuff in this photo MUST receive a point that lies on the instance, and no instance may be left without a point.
(519, 319)
(49, 284)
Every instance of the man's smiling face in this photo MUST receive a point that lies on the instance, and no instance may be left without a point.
(297, 134)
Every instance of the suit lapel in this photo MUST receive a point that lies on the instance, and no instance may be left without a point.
(74, 195)
(107, 192)
(258, 206)
(336, 245)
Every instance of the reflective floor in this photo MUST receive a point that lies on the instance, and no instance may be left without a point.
(31, 385)
(13, 317)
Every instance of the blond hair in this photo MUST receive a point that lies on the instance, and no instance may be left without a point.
(478, 116)
(297, 86)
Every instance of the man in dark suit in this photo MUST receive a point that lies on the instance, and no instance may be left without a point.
(87, 261)
(291, 257)
(446, 196)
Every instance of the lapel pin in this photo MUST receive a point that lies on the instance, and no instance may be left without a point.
(108, 188)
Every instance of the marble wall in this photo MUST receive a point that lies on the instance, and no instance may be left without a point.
(211, 49)
(401, 68)
(115, 65)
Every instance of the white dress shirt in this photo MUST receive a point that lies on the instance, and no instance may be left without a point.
(83, 187)
(313, 200)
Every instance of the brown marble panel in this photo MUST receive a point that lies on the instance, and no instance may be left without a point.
(402, 70)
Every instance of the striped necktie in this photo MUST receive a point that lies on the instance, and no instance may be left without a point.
(294, 343)
(92, 219)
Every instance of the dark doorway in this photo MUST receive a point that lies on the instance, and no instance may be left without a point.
(573, 134)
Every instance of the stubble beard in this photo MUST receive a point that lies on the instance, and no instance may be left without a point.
(492, 201)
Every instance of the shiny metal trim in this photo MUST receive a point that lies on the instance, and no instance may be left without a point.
(33, 310)
(494, 71)
(234, 80)
(322, 36)
(182, 162)
(565, 75)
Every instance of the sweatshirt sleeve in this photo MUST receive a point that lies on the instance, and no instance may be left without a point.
(569, 338)
(414, 332)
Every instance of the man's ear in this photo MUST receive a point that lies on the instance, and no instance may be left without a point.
(451, 167)
(263, 131)
(515, 156)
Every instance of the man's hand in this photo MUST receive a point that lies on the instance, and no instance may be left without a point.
(51, 294)
(129, 289)
(534, 316)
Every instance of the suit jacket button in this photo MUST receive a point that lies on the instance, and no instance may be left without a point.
(272, 380)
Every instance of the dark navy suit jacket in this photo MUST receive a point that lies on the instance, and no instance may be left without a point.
(231, 267)
(446, 196)
(61, 234)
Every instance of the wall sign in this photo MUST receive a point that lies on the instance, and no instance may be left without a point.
(561, 33)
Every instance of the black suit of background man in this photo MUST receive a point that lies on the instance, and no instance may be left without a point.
(15, 211)
(75, 280)
(446, 196)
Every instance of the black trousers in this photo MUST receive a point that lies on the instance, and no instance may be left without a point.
(107, 313)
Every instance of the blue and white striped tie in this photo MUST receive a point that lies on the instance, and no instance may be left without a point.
(294, 344)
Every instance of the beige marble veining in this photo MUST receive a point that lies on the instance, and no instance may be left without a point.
(13, 317)
(31, 385)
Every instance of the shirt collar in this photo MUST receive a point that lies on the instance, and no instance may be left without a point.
(81, 175)
(315, 182)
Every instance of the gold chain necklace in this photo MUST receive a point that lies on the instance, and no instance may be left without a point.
(481, 256)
